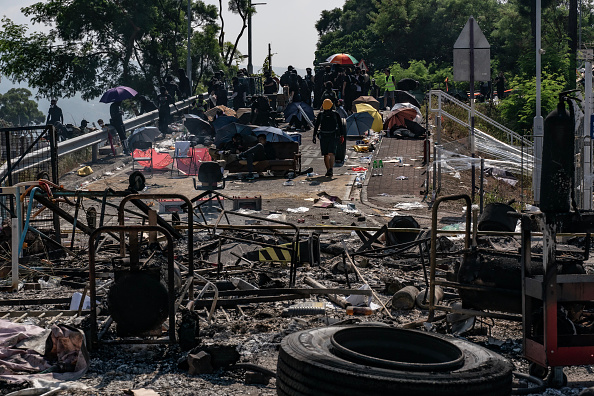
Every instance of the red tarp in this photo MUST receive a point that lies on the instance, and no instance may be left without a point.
(160, 160)
(190, 165)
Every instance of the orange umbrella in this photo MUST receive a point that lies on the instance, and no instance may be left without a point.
(396, 119)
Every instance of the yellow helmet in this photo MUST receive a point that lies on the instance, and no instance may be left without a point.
(327, 104)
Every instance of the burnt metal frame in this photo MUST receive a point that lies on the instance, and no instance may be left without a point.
(93, 331)
(550, 290)
(433, 264)
(292, 249)
(190, 280)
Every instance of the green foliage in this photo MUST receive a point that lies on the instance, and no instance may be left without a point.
(17, 108)
(93, 45)
(519, 107)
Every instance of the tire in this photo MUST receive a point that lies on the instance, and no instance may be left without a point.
(309, 364)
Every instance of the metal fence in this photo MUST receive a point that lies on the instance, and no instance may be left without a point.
(27, 154)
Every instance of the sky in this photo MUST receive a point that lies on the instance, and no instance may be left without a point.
(288, 25)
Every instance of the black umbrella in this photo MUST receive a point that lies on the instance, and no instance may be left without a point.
(405, 97)
(198, 126)
(226, 133)
(292, 110)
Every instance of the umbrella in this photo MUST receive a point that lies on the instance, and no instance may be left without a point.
(143, 134)
(226, 133)
(370, 100)
(273, 134)
(292, 110)
(118, 94)
(407, 84)
(198, 126)
(222, 121)
(358, 123)
(397, 118)
(213, 112)
(405, 97)
(342, 59)
(377, 118)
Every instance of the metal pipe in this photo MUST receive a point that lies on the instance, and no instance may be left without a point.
(190, 224)
(433, 264)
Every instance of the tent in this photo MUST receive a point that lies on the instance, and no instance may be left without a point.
(370, 100)
(377, 118)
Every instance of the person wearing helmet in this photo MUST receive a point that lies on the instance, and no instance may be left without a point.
(331, 132)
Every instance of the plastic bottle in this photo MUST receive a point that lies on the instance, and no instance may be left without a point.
(352, 310)
(381, 167)
(374, 170)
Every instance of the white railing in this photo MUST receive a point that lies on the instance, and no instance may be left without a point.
(513, 138)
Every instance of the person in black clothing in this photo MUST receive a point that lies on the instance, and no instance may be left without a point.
(239, 94)
(328, 93)
(185, 88)
(221, 94)
(116, 113)
(500, 83)
(260, 152)
(374, 89)
(269, 84)
(294, 87)
(172, 88)
(54, 114)
(318, 87)
(285, 78)
(331, 130)
(164, 100)
(146, 106)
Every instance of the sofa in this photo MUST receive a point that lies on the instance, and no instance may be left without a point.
(287, 158)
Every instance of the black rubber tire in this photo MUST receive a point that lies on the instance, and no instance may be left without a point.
(307, 366)
(538, 371)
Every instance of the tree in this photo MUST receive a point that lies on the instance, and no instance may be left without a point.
(94, 45)
(17, 108)
(244, 9)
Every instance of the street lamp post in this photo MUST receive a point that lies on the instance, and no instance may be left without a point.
(250, 67)
(538, 125)
(189, 60)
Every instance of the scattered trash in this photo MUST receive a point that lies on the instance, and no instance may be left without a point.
(51, 283)
(359, 169)
(85, 171)
(402, 178)
(75, 302)
(301, 209)
(409, 205)
(289, 183)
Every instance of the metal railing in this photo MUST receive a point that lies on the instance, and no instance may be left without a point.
(513, 138)
(37, 157)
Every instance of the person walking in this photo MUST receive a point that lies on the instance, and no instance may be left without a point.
(184, 84)
(117, 121)
(164, 100)
(331, 133)
(54, 114)
(389, 89)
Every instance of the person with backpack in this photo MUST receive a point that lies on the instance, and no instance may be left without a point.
(390, 88)
(328, 93)
(330, 129)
